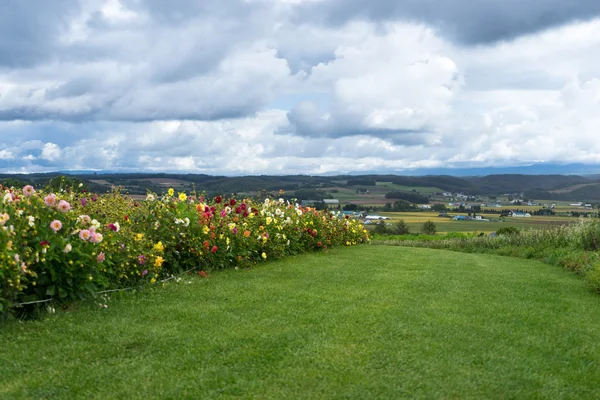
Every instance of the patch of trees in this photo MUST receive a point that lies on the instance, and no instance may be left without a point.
(361, 182)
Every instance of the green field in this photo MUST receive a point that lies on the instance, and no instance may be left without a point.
(419, 189)
(358, 323)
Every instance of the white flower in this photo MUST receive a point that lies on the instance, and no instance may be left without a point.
(95, 224)
(19, 212)
(281, 201)
(150, 197)
(68, 248)
(8, 198)
(187, 221)
(31, 221)
(267, 201)
(116, 224)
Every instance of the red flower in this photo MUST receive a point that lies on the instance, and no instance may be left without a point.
(214, 249)
(232, 202)
(45, 243)
(126, 218)
(319, 244)
(203, 274)
(243, 205)
(218, 199)
(205, 244)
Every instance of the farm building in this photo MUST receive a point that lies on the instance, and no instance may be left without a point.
(331, 202)
(376, 217)
(519, 214)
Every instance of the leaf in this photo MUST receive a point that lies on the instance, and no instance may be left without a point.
(51, 290)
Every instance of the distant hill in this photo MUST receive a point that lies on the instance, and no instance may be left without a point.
(559, 187)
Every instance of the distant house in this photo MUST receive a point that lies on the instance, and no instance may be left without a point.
(576, 204)
(459, 218)
(519, 214)
(331, 202)
(425, 207)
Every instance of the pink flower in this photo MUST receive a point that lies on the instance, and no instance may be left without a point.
(101, 257)
(28, 190)
(56, 225)
(145, 272)
(85, 235)
(50, 200)
(142, 259)
(96, 237)
(64, 206)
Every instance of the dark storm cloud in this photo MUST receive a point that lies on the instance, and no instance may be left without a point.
(30, 29)
(466, 21)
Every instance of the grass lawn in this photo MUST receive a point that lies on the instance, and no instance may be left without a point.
(371, 322)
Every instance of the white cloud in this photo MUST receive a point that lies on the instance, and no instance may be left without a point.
(51, 152)
(6, 155)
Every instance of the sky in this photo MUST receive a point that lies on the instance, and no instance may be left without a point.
(236, 87)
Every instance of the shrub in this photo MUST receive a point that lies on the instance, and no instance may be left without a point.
(429, 228)
(381, 228)
(401, 228)
(508, 230)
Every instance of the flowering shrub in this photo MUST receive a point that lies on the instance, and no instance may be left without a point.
(69, 245)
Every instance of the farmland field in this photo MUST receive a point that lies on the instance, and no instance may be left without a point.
(372, 322)
(415, 220)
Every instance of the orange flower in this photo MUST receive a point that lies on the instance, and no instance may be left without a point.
(246, 233)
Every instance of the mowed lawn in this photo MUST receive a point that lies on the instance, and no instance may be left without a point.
(371, 322)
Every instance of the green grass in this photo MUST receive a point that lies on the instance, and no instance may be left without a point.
(419, 189)
(360, 323)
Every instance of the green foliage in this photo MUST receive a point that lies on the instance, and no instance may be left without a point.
(381, 228)
(508, 230)
(401, 228)
(429, 228)
(439, 207)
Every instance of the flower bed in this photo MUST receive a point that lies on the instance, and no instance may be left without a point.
(70, 245)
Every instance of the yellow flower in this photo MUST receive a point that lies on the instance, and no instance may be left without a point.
(153, 280)
(269, 219)
(139, 236)
(264, 255)
(159, 261)
(205, 230)
(182, 196)
(171, 191)
(159, 247)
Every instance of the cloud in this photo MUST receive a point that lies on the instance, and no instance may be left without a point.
(394, 84)
(466, 21)
(297, 86)
(50, 152)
